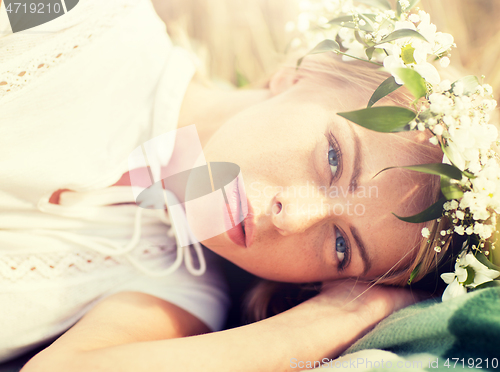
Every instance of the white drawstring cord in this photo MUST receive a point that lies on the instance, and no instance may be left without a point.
(201, 259)
(189, 236)
(97, 243)
(188, 261)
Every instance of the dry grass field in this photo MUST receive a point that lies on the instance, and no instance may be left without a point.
(244, 41)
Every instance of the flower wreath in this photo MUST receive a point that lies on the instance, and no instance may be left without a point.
(457, 114)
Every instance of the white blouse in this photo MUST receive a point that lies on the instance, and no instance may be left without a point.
(77, 96)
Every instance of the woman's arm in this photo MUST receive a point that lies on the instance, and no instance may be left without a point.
(122, 318)
(321, 327)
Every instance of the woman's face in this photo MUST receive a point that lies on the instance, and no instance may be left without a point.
(316, 211)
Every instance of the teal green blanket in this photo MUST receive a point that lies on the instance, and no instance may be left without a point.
(462, 333)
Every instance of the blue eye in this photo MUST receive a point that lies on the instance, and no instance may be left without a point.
(333, 159)
(340, 246)
(342, 250)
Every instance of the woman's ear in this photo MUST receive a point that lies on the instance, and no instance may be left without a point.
(282, 80)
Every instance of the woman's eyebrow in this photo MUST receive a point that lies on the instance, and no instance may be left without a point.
(356, 166)
(364, 255)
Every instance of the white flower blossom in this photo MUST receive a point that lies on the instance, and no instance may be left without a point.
(456, 281)
(482, 274)
(353, 47)
(390, 13)
(425, 232)
(444, 86)
(454, 288)
(414, 18)
(412, 52)
(290, 26)
(458, 89)
(450, 205)
(438, 129)
(444, 62)
(405, 4)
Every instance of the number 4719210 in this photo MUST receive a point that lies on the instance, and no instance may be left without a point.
(471, 363)
(33, 7)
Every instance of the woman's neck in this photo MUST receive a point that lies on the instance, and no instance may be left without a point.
(210, 107)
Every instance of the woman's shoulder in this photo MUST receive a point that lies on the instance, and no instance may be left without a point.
(29, 54)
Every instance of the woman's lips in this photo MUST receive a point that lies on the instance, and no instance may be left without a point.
(249, 225)
(238, 218)
(242, 233)
(237, 235)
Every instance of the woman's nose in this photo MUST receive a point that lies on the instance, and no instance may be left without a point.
(293, 214)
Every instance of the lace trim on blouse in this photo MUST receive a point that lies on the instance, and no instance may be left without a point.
(28, 55)
(99, 251)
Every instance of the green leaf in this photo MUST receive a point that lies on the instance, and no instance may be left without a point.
(431, 213)
(412, 5)
(368, 19)
(450, 190)
(468, 175)
(438, 169)
(399, 34)
(381, 4)
(484, 260)
(359, 38)
(493, 283)
(385, 119)
(348, 22)
(425, 115)
(470, 83)
(241, 79)
(384, 89)
(323, 47)
(414, 273)
(369, 52)
(470, 275)
(413, 81)
(338, 20)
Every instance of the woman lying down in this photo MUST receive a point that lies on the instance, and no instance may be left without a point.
(335, 185)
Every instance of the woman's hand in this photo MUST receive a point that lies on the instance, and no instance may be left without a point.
(365, 299)
(369, 303)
